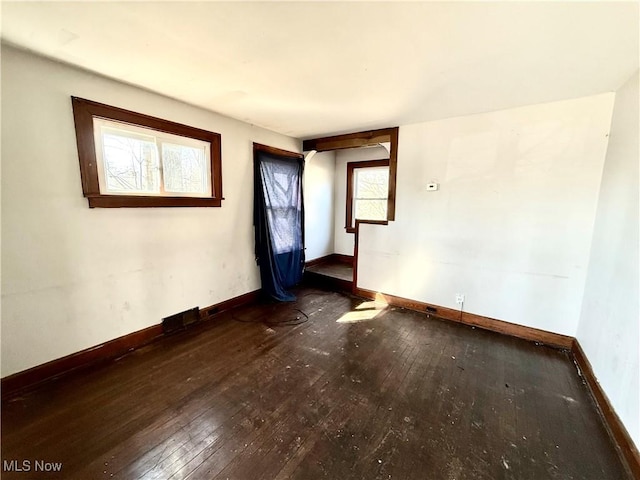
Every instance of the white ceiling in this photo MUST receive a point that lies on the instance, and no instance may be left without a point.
(310, 69)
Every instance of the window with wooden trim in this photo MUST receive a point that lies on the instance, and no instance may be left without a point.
(129, 159)
(367, 192)
(364, 139)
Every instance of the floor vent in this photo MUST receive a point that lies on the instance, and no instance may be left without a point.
(181, 320)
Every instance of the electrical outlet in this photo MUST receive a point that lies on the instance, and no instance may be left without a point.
(459, 297)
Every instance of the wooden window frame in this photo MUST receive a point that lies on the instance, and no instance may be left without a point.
(84, 112)
(351, 167)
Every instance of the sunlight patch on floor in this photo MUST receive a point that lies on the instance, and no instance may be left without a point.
(378, 305)
(364, 312)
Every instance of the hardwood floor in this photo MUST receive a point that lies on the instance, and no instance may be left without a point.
(331, 274)
(338, 270)
(339, 396)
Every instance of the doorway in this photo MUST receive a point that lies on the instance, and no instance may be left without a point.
(278, 219)
(363, 182)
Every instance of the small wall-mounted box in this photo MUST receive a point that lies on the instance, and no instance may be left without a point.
(432, 186)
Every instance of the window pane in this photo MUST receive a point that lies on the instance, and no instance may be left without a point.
(283, 236)
(130, 162)
(366, 209)
(282, 198)
(134, 160)
(372, 182)
(184, 169)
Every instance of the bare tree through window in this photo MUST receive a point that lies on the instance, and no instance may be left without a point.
(371, 189)
(130, 159)
(136, 162)
(130, 164)
(367, 191)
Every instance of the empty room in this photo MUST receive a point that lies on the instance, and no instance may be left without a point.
(304, 240)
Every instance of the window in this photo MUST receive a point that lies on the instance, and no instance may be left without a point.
(367, 191)
(278, 176)
(132, 160)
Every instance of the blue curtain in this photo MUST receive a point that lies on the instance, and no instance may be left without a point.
(278, 217)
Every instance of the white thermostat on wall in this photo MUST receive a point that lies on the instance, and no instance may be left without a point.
(432, 186)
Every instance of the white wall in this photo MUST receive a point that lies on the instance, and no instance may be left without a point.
(343, 240)
(319, 172)
(512, 222)
(609, 330)
(74, 277)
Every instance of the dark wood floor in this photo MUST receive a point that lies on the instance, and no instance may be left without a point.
(340, 396)
(334, 269)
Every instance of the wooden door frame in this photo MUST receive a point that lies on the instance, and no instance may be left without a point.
(364, 139)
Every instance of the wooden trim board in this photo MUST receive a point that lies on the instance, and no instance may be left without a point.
(627, 449)
(319, 260)
(349, 140)
(235, 302)
(346, 259)
(486, 323)
(393, 172)
(32, 377)
(276, 151)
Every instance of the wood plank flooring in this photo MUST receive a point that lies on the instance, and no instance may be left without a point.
(333, 269)
(353, 392)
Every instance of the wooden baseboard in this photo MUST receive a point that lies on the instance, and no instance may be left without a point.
(28, 379)
(346, 259)
(332, 257)
(319, 260)
(235, 302)
(617, 430)
(486, 323)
